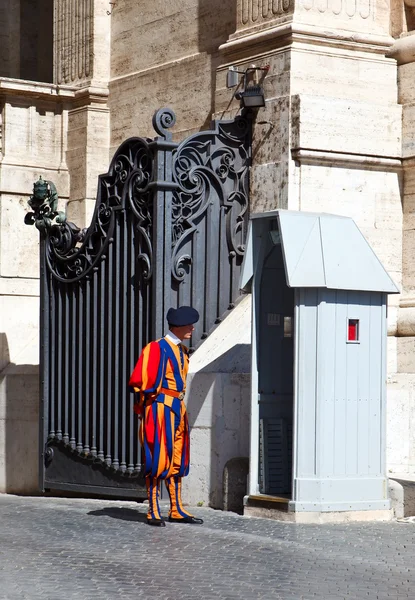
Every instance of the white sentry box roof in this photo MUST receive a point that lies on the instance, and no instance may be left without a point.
(320, 250)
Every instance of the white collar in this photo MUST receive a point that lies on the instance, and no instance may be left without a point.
(173, 338)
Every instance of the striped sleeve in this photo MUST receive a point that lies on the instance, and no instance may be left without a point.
(148, 373)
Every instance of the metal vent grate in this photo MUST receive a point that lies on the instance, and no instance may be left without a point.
(275, 455)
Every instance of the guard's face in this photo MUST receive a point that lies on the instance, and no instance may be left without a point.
(184, 332)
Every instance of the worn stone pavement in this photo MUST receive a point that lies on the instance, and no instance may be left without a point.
(58, 548)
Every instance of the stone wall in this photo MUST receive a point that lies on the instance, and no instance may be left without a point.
(81, 59)
(165, 54)
(219, 405)
(33, 142)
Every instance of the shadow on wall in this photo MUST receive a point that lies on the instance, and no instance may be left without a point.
(219, 414)
(19, 424)
(26, 39)
(217, 21)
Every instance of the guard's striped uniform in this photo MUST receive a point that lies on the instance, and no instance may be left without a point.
(159, 378)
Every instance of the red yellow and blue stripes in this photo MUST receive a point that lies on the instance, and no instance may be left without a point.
(174, 488)
(153, 494)
(164, 437)
(164, 428)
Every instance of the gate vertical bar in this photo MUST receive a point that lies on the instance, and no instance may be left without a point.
(123, 342)
(59, 390)
(81, 401)
(52, 359)
(158, 245)
(133, 332)
(67, 370)
(167, 247)
(74, 379)
(87, 404)
(116, 344)
(95, 353)
(101, 392)
(44, 339)
(108, 358)
(162, 222)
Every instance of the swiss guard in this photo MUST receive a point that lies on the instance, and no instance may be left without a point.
(159, 378)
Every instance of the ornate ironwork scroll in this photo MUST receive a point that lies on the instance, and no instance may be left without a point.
(209, 166)
(71, 253)
(209, 218)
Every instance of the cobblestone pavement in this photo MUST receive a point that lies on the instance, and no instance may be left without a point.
(55, 549)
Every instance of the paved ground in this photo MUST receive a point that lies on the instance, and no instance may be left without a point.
(55, 549)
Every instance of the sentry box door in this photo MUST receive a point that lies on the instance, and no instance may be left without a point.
(275, 325)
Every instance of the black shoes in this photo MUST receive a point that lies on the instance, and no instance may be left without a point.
(162, 523)
(189, 519)
(156, 522)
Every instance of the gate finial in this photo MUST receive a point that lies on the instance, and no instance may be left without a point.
(163, 119)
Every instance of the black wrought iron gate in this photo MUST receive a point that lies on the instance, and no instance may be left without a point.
(169, 228)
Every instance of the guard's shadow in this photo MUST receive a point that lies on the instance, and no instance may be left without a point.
(125, 514)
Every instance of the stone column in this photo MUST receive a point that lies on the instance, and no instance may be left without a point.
(401, 394)
(81, 42)
(403, 51)
(82, 60)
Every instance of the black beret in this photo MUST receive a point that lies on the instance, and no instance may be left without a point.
(184, 315)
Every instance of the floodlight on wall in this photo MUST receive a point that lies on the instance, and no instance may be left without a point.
(251, 95)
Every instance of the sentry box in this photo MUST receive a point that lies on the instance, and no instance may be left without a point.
(319, 297)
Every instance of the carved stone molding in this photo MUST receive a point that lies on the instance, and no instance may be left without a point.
(351, 8)
(252, 12)
(351, 23)
(258, 15)
(346, 159)
(281, 34)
